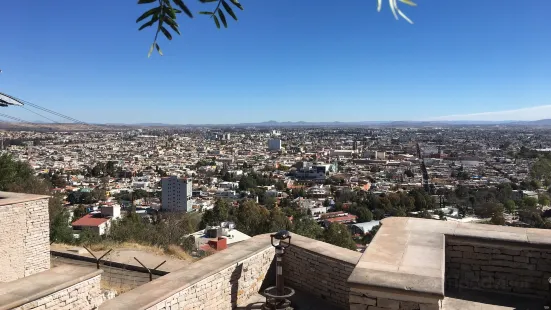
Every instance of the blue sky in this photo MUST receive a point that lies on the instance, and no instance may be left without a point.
(283, 60)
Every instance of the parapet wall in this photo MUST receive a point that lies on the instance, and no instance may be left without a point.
(503, 267)
(412, 261)
(24, 235)
(220, 281)
(320, 269)
(64, 287)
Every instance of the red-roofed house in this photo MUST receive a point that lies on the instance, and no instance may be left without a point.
(93, 221)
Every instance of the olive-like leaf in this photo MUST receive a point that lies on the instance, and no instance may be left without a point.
(151, 50)
(149, 23)
(237, 4)
(184, 8)
(173, 24)
(146, 1)
(166, 33)
(222, 18)
(148, 13)
(171, 13)
(216, 21)
(205, 13)
(409, 2)
(159, 49)
(228, 9)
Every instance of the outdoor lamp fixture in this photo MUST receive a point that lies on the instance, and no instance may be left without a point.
(276, 296)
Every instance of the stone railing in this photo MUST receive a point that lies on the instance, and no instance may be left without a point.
(220, 281)
(509, 267)
(411, 261)
(64, 287)
(24, 235)
(320, 269)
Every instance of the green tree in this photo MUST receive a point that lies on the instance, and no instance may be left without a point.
(307, 227)
(218, 214)
(510, 206)
(79, 212)
(60, 231)
(530, 202)
(17, 176)
(251, 218)
(363, 214)
(543, 200)
(278, 220)
(339, 235)
(488, 209)
(498, 219)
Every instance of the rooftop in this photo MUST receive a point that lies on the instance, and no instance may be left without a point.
(90, 220)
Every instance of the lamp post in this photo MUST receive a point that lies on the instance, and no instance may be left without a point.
(276, 296)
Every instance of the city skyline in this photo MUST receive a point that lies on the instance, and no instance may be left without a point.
(460, 60)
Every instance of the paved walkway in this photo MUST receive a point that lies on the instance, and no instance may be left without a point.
(475, 300)
(301, 301)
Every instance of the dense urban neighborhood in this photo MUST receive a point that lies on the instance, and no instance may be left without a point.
(328, 183)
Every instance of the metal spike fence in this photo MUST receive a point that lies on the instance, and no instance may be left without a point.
(116, 276)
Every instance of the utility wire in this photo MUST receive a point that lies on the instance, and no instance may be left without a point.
(39, 114)
(14, 118)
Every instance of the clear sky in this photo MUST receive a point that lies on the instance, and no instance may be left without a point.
(283, 60)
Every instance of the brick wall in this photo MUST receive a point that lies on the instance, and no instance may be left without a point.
(24, 239)
(498, 267)
(84, 295)
(224, 289)
(319, 274)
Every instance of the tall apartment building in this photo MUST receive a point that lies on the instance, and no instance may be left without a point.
(176, 194)
(274, 144)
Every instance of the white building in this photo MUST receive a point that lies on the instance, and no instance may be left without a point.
(176, 194)
(274, 144)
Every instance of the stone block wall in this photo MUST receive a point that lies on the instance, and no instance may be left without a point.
(509, 268)
(84, 295)
(224, 289)
(319, 274)
(366, 299)
(24, 237)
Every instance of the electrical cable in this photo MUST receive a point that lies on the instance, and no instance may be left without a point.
(39, 115)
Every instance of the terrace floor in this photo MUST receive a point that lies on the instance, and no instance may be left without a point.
(476, 300)
(300, 301)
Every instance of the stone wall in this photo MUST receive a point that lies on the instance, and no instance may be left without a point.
(223, 280)
(225, 289)
(320, 269)
(367, 299)
(503, 267)
(64, 287)
(84, 295)
(24, 235)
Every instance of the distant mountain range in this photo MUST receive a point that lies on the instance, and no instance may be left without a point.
(271, 123)
(276, 124)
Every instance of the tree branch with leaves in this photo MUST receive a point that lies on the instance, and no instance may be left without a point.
(167, 11)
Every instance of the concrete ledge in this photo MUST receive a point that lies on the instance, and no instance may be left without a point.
(152, 293)
(9, 198)
(16, 293)
(407, 256)
(325, 249)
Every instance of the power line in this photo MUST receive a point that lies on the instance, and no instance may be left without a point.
(53, 112)
(36, 106)
(14, 118)
(40, 115)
